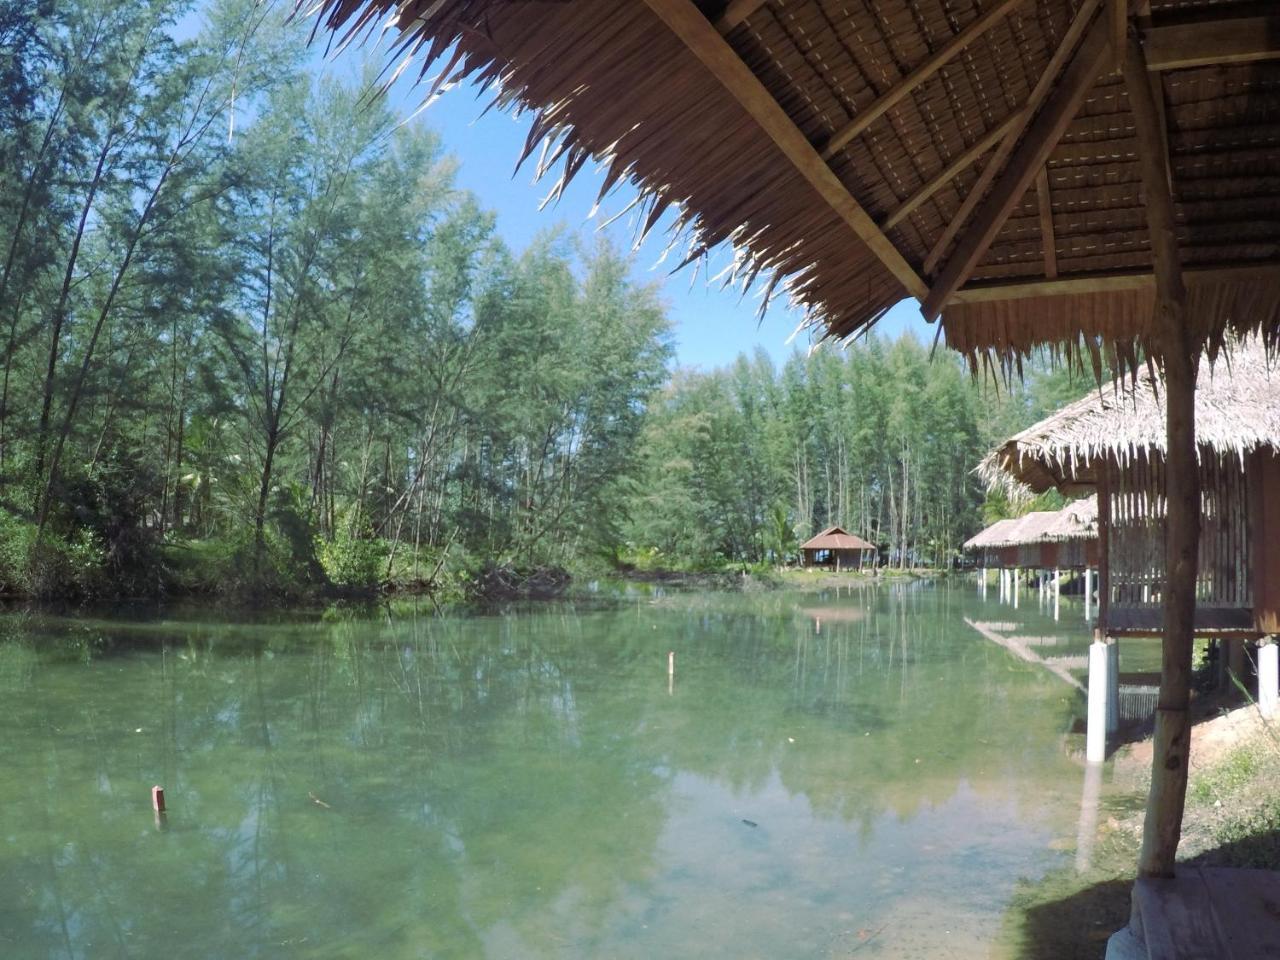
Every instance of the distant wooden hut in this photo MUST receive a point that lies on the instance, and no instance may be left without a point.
(836, 548)
(1040, 540)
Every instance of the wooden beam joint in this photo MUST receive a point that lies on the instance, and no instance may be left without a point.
(1178, 46)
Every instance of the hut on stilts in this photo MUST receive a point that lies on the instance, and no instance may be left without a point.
(1094, 176)
(1042, 545)
(1113, 442)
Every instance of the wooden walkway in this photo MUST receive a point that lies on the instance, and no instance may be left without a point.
(1211, 912)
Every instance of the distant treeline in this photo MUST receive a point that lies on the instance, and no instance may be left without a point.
(255, 338)
(744, 463)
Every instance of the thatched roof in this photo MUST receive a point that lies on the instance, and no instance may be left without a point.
(835, 538)
(1237, 411)
(979, 156)
(1075, 521)
(991, 536)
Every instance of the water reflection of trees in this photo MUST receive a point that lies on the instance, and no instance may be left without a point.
(420, 786)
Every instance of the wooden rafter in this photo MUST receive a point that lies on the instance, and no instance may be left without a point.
(1049, 240)
(1110, 283)
(1042, 136)
(698, 34)
(1084, 16)
(953, 169)
(916, 77)
(1118, 13)
(1205, 43)
(736, 12)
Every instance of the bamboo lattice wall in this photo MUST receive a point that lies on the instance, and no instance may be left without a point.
(1136, 543)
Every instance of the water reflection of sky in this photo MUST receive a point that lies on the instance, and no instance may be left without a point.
(526, 783)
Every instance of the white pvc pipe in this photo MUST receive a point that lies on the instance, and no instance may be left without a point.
(1095, 750)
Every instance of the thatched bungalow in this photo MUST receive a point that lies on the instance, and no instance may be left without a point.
(1113, 442)
(1042, 539)
(1047, 541)
(1096, 177)
(835, 548)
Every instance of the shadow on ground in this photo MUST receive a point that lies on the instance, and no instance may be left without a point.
(1050, 923)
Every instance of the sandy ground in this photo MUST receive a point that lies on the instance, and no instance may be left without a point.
(1211, 741)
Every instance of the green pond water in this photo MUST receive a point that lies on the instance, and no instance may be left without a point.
(858, 771)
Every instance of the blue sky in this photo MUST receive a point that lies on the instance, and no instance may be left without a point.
(711, 325)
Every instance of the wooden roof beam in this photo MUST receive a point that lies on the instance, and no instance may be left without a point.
(1044, 86)
(1207, 43)
(1090, 61)
(697, 33)
(919, 75)
(736, 12)
(953, 169)
(1111, 283)
(1047, 236)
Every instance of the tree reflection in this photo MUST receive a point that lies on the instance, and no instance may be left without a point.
(420, 785)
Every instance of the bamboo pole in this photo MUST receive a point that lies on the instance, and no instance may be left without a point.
(1163, 824)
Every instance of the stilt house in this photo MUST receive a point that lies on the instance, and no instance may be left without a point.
(1112, 441)
(1063, 539)
(1095, 176)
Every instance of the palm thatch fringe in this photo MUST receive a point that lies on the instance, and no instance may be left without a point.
(1237, 412)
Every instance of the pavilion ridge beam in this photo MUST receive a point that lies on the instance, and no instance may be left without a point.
(1047, 237)
(1208, 43)
(1171, 747)
(701, 38)
(919, 75)
(953, 170)
(1090, 60)
(736, 12)
(1110, 282)
(1044, 86)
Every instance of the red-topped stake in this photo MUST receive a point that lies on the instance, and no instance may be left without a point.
(157, 799)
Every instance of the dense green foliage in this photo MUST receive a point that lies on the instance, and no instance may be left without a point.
(253, 334)
(253, 337)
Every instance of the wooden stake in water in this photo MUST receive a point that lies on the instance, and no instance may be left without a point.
(671, 672)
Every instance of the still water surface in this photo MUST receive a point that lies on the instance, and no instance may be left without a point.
(855, 773)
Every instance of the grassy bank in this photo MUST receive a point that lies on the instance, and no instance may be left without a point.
(1232, 819)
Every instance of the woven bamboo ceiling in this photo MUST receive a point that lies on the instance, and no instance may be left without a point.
(979, 155)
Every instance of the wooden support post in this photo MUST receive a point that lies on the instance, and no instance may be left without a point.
(1113, 685)
(1057, 591)
(1180, 356)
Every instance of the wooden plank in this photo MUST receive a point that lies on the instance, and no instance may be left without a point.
(1042, 136)
(736, 12)
(1084, 16)
(1110, 282)
(1162, 827)
(954, 169)
(917, 76)
(1177, 918)
(1049, 241)
(696, 32)
(1207, 43)
(1246, 904)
